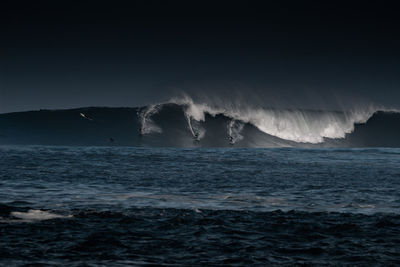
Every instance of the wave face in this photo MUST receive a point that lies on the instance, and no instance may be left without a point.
(184, 123)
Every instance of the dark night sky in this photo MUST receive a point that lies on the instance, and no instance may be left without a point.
(62, 54)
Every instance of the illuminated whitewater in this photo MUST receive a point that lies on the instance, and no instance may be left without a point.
(234, 128)
(303, 126)
(147, 124)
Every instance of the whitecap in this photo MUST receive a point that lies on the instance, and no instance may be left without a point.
(37, 215)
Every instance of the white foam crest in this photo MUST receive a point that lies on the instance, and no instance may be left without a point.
(194, 113)
(234, 129)
(195, 128)
(37, 215)
(303, 126)
(147, 124)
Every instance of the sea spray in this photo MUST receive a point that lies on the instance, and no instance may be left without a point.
(147, 124)
(234, 129)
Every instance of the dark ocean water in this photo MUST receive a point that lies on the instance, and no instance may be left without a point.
(227, 206)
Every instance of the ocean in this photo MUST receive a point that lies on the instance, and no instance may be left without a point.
(231, 206)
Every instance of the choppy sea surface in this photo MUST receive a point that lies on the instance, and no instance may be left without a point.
(117, 206)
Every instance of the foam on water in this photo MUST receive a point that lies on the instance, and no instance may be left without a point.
(37, 215)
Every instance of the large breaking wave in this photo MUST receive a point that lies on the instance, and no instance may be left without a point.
(183, 122)
(304, 126)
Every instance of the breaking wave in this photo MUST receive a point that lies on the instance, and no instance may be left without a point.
(304, 126)
(182, 122)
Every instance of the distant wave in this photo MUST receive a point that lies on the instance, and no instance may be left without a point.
(183, 122)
